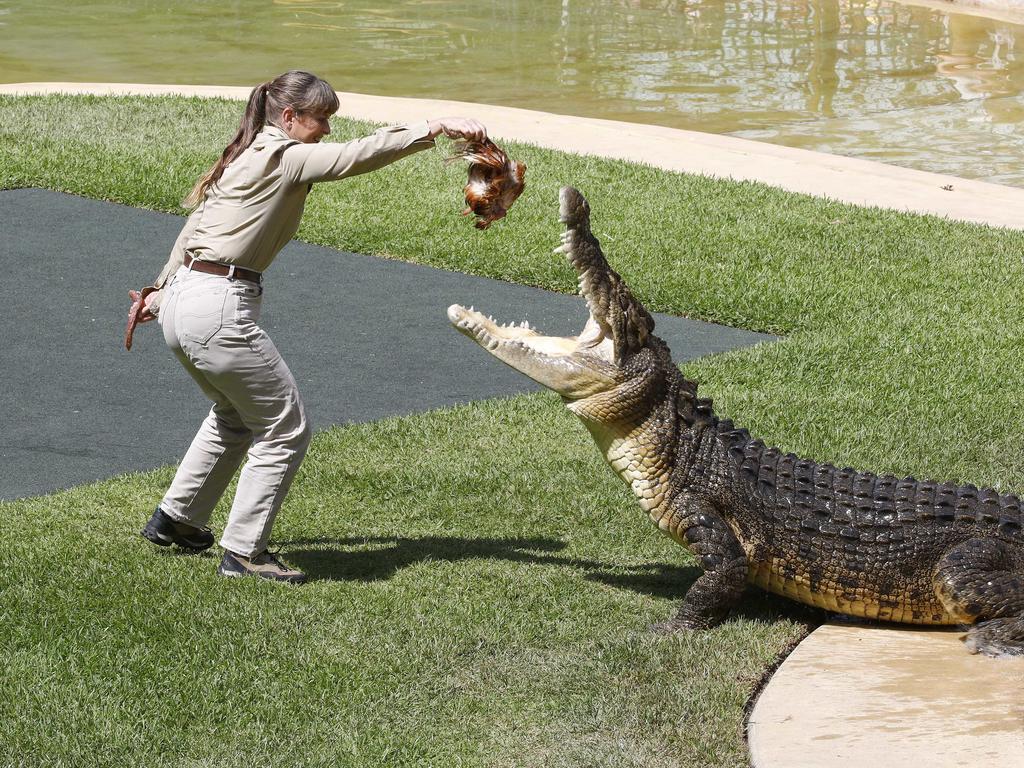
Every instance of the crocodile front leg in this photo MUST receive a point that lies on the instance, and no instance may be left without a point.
(696, 523)
(982, 580)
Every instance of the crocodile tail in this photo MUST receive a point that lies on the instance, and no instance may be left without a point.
(611, 303)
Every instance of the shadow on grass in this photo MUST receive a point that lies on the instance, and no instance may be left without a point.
(381, 557)
(376, 558)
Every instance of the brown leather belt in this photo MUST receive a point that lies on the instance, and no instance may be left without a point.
(223, 270)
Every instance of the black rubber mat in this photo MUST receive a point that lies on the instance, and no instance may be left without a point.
(365, 337)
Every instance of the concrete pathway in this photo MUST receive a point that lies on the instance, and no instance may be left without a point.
(849, 695)
(366, 338)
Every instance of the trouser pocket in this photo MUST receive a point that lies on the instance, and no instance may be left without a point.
(243, 305)
(199, 313)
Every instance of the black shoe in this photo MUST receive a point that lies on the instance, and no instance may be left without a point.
(265, 565)
(164, 531)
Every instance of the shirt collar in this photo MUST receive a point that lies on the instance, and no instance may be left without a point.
(270, 136)
(273, 130)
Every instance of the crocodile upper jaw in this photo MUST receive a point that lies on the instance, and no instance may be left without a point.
(576, 367)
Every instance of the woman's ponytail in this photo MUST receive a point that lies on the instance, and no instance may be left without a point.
(252, 123)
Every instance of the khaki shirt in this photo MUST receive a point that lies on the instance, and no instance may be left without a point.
(254, 209)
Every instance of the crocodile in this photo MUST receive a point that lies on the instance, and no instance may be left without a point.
(868, 545)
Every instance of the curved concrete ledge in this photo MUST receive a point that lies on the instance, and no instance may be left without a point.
(1011, 11)
(849, 180)
(854, 694)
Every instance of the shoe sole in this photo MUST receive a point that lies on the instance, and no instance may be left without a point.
(165, 541)
(221, 571)
(150, 535)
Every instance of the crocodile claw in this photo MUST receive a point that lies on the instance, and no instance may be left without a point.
(675, 626)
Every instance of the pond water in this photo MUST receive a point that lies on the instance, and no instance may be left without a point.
(880, 80)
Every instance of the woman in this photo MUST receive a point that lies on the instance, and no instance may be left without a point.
(208, 304)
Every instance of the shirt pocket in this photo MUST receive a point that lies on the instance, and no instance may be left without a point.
(200, 313)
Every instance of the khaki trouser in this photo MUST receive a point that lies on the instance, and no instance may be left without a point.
(210, 323)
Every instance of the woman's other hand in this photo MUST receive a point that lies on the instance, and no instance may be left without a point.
(458, 128)
(144, 316)
(139, 312)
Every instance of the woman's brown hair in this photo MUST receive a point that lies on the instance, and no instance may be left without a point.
(302, 91)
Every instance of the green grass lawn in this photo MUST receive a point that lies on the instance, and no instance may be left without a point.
(482, 582)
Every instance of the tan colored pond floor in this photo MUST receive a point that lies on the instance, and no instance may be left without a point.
(849, 695)
(850, 180)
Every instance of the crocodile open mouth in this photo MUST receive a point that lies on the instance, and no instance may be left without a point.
(486, 332)
(564, 364)
(490, 335)
(576, 367)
